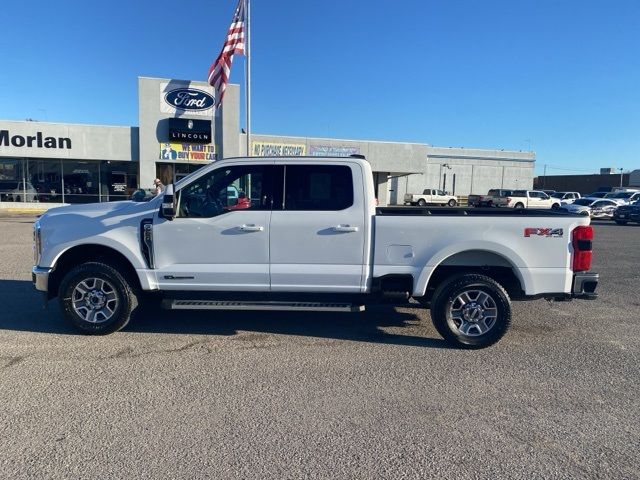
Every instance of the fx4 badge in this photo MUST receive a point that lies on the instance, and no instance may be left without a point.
(543, 232)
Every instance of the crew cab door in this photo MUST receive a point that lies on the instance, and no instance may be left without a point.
(318, 235)
(219, 239)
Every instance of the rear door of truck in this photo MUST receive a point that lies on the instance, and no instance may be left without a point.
(318, 235)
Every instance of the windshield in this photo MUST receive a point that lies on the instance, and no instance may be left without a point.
(585, 202)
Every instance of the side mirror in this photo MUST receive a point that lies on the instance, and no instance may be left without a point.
(168, 207)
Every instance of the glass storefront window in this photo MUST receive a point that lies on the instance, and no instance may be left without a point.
(46, 178)
(119, 180)
(12, 185)
(81, 181)
(66, 181)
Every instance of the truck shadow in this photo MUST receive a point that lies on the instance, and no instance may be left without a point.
(23, 311)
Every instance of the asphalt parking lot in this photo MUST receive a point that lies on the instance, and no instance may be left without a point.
(299, 395)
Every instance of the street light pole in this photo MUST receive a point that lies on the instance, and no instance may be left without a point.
(620, 177)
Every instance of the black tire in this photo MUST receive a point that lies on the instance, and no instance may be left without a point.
(555, 206)
(519, 205)
(621, 222)
(125, 304)
(422, 203)
(446, 297)
(452, 203)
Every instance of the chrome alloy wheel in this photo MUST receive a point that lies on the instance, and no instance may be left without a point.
(94, 300)
(472, 313)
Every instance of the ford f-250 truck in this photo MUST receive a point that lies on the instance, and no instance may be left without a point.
(309, 237)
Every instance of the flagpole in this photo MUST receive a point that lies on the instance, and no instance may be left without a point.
(247, 78)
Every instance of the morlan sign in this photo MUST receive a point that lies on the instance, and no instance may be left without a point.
(37, 140)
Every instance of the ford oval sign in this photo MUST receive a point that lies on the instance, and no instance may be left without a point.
(189, 99)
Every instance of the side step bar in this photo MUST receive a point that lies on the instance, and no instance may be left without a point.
(171, 304)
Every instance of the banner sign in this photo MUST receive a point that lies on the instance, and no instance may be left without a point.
(265, 149)
(331, 151)
(187, 152)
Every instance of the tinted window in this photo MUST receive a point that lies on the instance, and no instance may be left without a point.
(318, 187)
(225, 190)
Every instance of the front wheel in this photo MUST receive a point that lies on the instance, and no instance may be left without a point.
(471, 311)
(452, 203)
(96, 299)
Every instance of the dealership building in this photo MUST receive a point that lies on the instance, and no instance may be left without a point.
(179, 132)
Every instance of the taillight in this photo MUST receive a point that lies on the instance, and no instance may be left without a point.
(581, 238)
(508, 199)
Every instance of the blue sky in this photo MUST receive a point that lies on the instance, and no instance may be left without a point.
(559, 77)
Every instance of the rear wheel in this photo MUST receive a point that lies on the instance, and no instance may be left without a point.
(452, 203)
(471, 311)
(519, 205)
(96, 299)
(422, 203)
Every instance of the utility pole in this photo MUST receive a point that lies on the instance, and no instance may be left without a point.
(544, 176)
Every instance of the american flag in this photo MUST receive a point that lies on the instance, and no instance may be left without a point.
(221, 69)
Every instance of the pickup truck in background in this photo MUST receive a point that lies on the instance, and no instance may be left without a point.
(527, 199)
(310, 238)
(430, 196)
(566, 198)
(624, 197)
(489, 199)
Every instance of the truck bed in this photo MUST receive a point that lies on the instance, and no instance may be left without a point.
(470, 211)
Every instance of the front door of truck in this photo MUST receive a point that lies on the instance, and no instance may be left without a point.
(219, 239)
(318, 235)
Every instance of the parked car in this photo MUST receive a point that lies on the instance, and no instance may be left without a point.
(627, 213)
(13, 191)
(624, 197)
(566, 197)
(489, 199)
(315, 242)
(430, 196)
(592, 207)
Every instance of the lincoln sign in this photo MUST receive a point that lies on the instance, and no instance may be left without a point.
(38, 141)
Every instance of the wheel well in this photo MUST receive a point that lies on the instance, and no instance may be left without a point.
(476, 261)
(89, 253)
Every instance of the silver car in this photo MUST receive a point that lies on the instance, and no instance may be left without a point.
(593, 207)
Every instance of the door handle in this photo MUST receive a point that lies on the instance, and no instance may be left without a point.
(345, 228)
(251, 228)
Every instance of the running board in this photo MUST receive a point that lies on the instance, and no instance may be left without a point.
(256, 305)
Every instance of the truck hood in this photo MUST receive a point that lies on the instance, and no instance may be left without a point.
(102, 210)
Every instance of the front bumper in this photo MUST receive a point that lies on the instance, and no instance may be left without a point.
(40, 278)
(584, 285)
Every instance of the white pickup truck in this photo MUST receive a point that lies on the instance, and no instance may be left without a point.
(430, 196)
(527, 199)
(305, 234)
